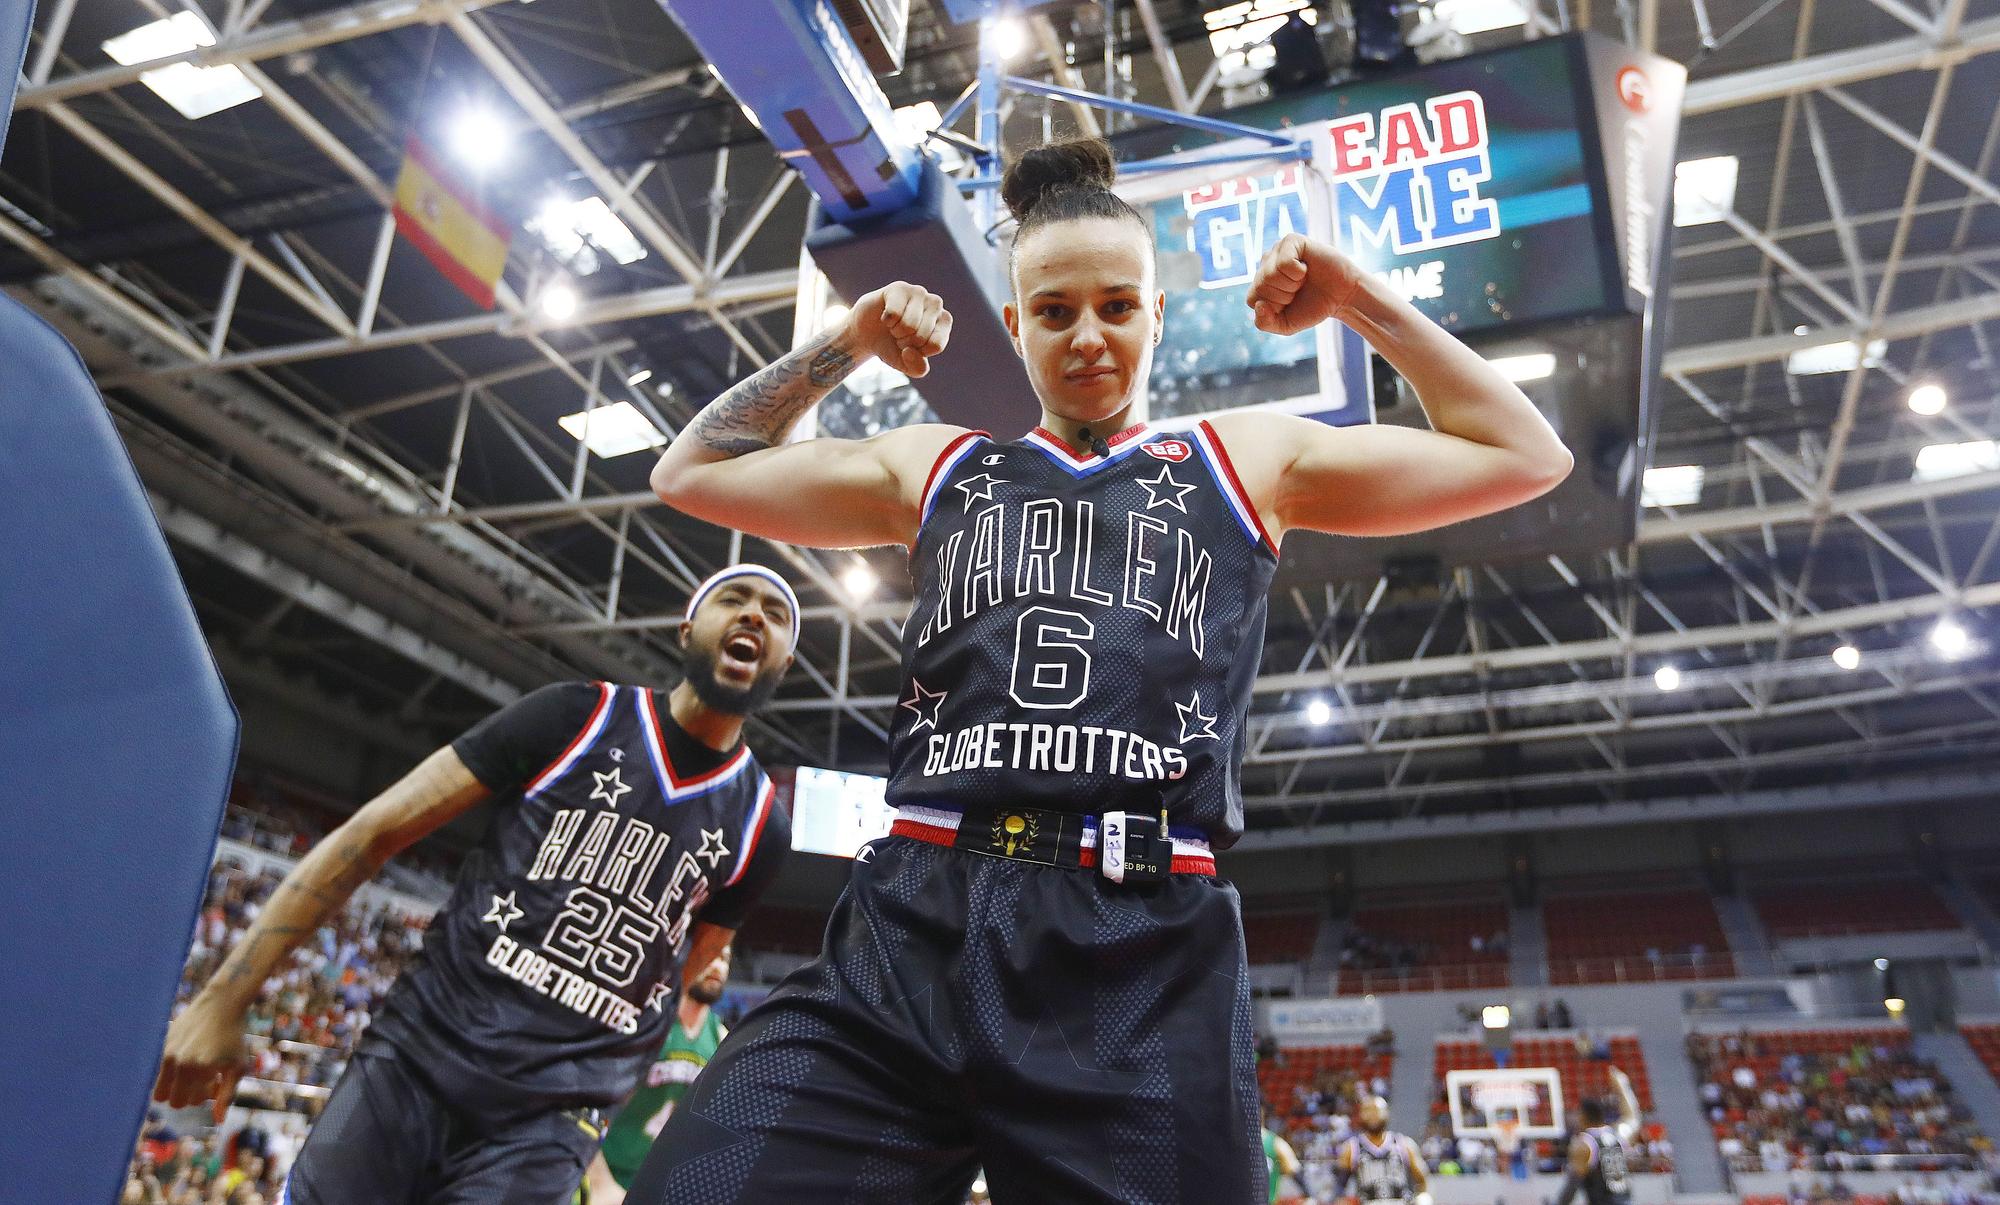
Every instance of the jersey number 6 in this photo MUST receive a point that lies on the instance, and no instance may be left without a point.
(1051, 658)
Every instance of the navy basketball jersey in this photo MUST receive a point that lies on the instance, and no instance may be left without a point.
(1609, 1180)
(1382, 1173)
(551, 977)
(1086, 629)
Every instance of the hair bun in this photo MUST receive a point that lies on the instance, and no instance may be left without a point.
(1081, 163)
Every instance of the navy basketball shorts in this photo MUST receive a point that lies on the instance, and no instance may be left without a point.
(1076, 1039)
(387, 1138)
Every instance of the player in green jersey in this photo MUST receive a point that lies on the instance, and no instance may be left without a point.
(688, 1048)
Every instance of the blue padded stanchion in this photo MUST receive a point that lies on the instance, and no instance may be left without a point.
(116, 744)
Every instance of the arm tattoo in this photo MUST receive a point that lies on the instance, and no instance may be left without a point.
(757, 413)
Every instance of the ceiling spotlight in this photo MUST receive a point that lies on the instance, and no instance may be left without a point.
(859, 581)
(1847, 657)
(1008, 37)
(1895, 1005)
(1317, 712)
(1949, 637)
(559, 301)
(640, 377)
(479, 138)
(1927, 400)
(1881, 964)
(1667, 677)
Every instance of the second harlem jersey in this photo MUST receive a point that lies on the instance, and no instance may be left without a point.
(1086, 629)
(553, 974)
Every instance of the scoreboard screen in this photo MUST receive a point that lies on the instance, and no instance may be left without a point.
(836, 813)
(1475, 188)
(1472, 185)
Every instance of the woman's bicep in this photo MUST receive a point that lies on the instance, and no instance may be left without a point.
(1387, 481)
(822, 493)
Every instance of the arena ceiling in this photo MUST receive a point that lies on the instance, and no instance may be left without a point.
(378, 516)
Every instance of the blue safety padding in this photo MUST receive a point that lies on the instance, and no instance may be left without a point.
(794, 65)
(937, 242)
(116, 745)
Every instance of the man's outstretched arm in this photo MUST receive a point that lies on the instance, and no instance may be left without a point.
(205, 1043)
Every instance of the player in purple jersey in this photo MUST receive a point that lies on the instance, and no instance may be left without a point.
(629, 832)
(1037, 971)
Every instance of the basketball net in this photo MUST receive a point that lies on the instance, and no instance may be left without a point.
(1507, 1137)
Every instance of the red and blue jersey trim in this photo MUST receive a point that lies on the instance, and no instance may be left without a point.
(753, 828)
(1066, 458)
(675, 789)
(1217, 459)
(592, 729)
(953, 455)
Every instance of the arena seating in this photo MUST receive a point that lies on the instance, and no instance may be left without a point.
(1274, 937)
(1337, 1074)
(1425, 947)
(1851, 1097)
(1635, 937)
(1984, 1038)
(1832, 909)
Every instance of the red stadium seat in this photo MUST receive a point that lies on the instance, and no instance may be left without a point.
(1635, 937)
(1435, 943)
(1272, 937)
(1832, 909)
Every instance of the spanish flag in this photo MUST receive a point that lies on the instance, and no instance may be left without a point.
(455, 231)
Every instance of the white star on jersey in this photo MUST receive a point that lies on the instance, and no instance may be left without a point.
(656, 995)
(1194, 725)
(503, 912)
(712, 847)
(925, 703)
(1165, 491)
(979, 488)
(609, 786)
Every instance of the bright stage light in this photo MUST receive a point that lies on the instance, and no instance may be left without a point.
(1672, 485)
(1881, 964)
(478, 138)
(1895, 1005)
(1495, 1016)
(1468, 17)
(1847, 657)
(559, 301)
(1938, 461)
(613, 430)
(1009, 36)
(640, 377)
(1950, 638)
(577, 230)
(1317, 712)
(1667, 677)
(1844, 356)
(859, 581)
(194, 92)
(1534, 366)
(1704, 190)
(1927, 400)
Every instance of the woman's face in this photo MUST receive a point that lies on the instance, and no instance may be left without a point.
(1086, 315)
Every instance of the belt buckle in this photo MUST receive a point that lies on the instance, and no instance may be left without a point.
(1017, 834)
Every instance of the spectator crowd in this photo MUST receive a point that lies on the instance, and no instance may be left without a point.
(1872, 1106)
(300, 1033)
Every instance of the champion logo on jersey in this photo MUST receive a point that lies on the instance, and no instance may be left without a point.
(1175, 450)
